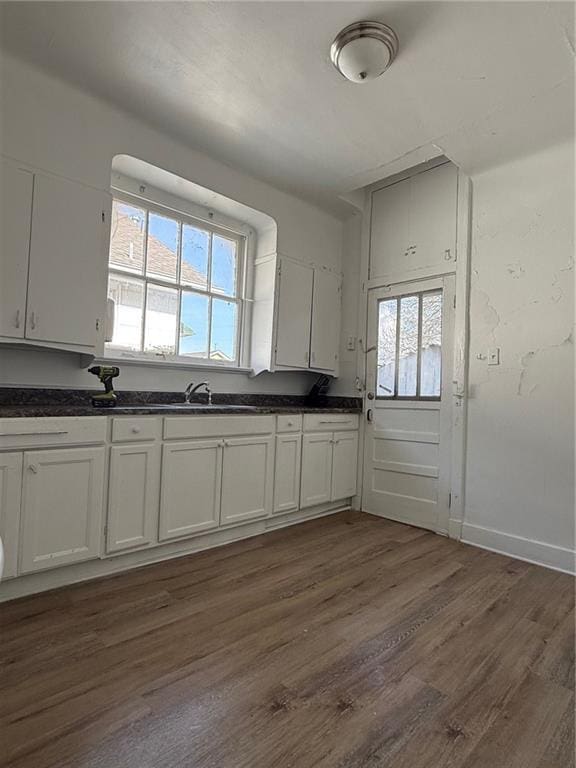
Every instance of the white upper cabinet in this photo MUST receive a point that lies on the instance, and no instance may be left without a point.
(296, 317)
(413, 224)
(325, 336)
(67, 273)
(294, 314)
(53, 260)
(16, 187)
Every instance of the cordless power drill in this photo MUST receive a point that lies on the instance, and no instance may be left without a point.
(105, 373)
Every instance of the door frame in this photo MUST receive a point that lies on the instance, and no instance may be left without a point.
(461, 268)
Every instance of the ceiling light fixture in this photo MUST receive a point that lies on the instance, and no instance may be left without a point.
(364, 50)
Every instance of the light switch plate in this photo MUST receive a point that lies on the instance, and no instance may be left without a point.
(494, 356)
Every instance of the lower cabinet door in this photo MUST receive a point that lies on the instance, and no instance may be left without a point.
(247, 477)
(10, 491)
(190, 488)
(61, 507)
(133, 496)
(287, 472)
(344, 464)
(316, 469)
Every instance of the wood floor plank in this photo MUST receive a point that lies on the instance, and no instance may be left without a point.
(345, 642)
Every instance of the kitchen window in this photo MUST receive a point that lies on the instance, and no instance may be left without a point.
(177, 286)
(410, 347)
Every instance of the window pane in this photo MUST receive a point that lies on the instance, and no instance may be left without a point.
(408, 356)
(431, 360)
(195, 247)
(161, 310)
(223, 335)
(194, 325)
(223, 266)
(386, 365)
(127, 237)
(162, 253)
(128, 296)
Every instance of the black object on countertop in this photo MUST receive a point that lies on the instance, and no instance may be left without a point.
(105, 373)
(319, 388)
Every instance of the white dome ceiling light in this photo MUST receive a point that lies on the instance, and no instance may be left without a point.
(364, 50)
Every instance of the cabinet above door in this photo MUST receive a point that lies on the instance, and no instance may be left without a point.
(413, 224)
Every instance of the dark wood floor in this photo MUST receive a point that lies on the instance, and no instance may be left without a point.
(343, 642)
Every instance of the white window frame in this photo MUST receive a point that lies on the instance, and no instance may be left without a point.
(240, 299)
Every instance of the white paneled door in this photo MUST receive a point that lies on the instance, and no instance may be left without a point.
(408, 402)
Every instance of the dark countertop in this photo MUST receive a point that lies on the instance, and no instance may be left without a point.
(35, 403)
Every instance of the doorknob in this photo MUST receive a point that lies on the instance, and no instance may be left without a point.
(370, 395)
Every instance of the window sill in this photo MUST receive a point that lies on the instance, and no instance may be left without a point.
(120, 359)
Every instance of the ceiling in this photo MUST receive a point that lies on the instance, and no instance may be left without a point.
(251, 83)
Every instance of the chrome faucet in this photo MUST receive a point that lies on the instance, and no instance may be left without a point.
(192, 389)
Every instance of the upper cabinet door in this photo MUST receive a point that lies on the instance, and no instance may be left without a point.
(68, 262)
(390, 229)
(325, 321)
(413, 224)
(15, 214)
(294, 315)
(433, 209)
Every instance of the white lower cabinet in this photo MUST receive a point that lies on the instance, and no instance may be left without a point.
(10, 489)
(287, 472)
(344, 465)
(62, 500)
(246, 479)
(190, 488)
(316, 469)
(329, 463)
(133, 496)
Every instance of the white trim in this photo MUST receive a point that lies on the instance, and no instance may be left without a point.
(460, 361)
(117, 563)
(172, 363)
(519, 547)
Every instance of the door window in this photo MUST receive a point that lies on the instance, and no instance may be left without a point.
(409, 362)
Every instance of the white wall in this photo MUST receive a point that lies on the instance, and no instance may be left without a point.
(60, 129)
(520, 457)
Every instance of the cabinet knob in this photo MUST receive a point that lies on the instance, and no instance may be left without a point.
(33, 468)
(17, 319)
(33, 320)
(136, 430)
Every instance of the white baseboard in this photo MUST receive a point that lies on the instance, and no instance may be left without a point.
(42, 581)
(530, 550)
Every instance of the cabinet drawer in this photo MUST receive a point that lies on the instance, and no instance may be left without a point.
(289, 422)
(324, 422)
(184, 427)
(48, 431)
(130, 430)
